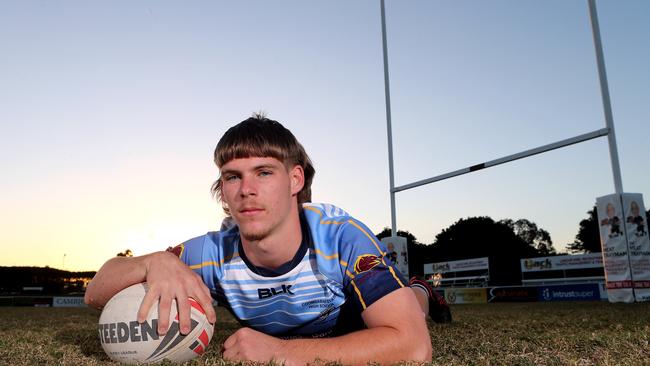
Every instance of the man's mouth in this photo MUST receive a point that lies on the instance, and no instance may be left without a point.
(250, 211)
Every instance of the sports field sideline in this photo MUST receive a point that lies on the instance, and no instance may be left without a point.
(561, 333)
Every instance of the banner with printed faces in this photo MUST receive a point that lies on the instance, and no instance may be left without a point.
(474, 264)
(638, 243)
(616, 258)
(562, 262)
(397, 252)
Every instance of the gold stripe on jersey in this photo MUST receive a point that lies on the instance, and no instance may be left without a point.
(392, 271)
(367, 235)
(213, 263)
(332, 256)
(356, 289)
(370, 237)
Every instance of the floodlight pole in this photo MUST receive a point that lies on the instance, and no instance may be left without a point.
(604, 91)
(389, 130)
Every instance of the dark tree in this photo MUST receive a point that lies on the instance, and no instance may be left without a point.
(53, 281)
(534, 236)
(126, 253)
(588, 237)
(476, 237)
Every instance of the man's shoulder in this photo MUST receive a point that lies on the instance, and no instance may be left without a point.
(324, 211)
(331, 226)
(215, 242)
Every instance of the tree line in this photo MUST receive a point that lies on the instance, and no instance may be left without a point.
(42, 280)
(504, 242)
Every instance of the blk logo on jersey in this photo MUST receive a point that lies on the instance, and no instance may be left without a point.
(265, 293)
(366, 262)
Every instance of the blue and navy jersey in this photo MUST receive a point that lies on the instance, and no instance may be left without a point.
(340, 270)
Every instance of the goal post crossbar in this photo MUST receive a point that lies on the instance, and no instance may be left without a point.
(538, 150)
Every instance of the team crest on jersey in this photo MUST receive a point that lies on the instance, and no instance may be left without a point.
(177, 250)
(366, 262)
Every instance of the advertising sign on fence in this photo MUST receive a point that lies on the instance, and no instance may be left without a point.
(615, 251)
(68, 302)
(583, 292)
(466, 295)
(473, 264)
(562, 262)
(513, 294)
(638, 242)
(603, 291)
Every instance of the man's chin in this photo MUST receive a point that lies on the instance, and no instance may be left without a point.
(253, 235)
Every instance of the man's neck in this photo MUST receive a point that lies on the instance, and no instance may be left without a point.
(276, 249)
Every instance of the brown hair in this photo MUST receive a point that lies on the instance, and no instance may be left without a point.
(259, 136)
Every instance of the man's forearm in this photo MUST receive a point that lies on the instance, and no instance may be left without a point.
(396, 332)
(382, 344)
(115, 275)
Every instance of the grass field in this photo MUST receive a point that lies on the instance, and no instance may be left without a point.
(562, 333)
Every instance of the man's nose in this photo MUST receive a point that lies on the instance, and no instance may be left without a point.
(247, 187)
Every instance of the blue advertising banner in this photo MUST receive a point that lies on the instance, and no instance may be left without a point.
(584, 292)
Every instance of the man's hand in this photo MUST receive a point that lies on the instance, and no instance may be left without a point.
(168, 279)
(247, 344)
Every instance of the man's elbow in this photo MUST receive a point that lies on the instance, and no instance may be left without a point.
(420, 346)
(422, 351)
(89, 299)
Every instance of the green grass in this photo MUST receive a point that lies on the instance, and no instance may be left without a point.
(563, 333)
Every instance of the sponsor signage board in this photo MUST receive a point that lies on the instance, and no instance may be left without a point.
(397, 252)
(562, 262)
(473, 264)
(603, 291)
(638, 242)
(466, 295)
(68, 302)
(513, 294)
(616, 259)
(584, 292)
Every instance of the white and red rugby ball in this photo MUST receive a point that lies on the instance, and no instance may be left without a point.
(125, 340)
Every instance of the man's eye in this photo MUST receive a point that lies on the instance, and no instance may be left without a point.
(230, 178)
(264, 173)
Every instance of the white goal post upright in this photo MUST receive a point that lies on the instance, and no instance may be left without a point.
(607, 131)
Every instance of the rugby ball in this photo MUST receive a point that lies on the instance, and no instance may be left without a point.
(127, 341)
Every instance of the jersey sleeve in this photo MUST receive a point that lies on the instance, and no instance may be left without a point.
(189, 252)
(369, 274)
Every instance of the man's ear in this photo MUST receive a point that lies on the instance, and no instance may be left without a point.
(297, 176)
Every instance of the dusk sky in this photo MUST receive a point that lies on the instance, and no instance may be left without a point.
(110, 112)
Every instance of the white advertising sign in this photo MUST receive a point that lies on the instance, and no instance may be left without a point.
(473, 264)
(397, 250)
(616, 260)
(562, 262)
(638, 243)
(68, 302)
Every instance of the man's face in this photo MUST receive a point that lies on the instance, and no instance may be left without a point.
(261, 194)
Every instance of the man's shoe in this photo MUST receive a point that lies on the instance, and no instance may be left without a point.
(438, 309)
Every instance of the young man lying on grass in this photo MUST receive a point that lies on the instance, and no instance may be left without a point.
(306, 281)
